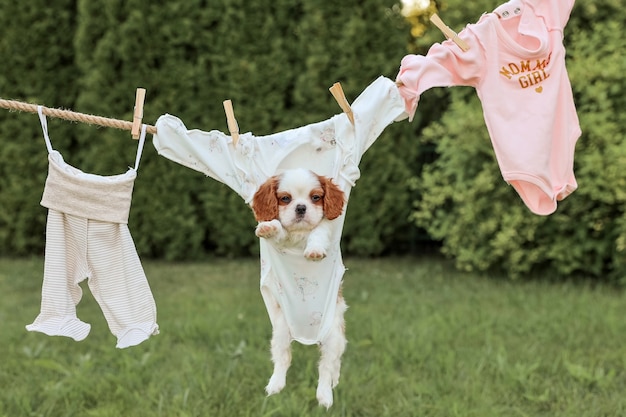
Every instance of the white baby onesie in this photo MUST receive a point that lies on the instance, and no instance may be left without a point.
(87, 236)
(306, 290)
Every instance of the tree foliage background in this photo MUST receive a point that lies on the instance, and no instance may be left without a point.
(433, 180)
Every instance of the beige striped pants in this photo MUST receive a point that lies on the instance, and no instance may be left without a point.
(104, 253)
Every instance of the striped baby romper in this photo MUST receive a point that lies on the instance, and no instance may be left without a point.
(87, 236)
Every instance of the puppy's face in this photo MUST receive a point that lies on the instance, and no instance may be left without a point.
(299, 199)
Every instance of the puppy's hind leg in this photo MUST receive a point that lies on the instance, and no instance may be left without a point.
(281, 354)
(331, 348)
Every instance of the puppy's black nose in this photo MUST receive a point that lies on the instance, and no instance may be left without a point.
(300, 209)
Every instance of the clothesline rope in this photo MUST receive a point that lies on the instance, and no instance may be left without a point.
(72, 116)
(135, 125)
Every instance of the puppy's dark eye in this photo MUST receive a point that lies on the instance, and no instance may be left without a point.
(316, 197)
(285, 199)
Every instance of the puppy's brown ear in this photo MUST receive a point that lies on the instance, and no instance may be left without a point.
(265, 202)
(334, 198)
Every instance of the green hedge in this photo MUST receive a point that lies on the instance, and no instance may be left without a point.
(36, 65)
(274, 59)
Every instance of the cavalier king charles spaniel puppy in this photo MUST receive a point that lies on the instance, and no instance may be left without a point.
(295, 210)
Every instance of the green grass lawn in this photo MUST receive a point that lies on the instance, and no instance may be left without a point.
(424, 340)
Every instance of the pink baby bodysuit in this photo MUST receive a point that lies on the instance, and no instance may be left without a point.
(516, 63)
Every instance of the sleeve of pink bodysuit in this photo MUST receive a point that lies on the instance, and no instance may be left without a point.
(555, 12)
(444, 65)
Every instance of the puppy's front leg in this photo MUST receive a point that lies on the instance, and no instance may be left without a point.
(318, 241)
(270, 230)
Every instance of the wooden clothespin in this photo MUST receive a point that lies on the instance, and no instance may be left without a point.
(140, 97)
(233, 127)
(339, 95)
(450, 34)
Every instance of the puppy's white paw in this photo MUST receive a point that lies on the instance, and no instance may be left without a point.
(314, 253)
(267, 229)
(325, 395)
(275, 384)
